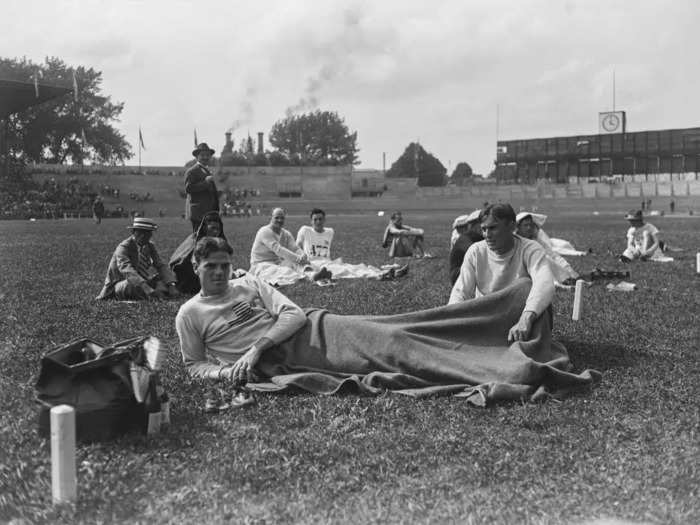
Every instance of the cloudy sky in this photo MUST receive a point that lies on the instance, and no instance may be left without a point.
(396, 70)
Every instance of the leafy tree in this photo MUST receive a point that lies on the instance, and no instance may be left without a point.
(65, 129)
(462, 174)
(416, 162)
(316, 138)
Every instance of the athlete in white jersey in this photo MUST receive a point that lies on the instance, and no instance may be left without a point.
(315, 241)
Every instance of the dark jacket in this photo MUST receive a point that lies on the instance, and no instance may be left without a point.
(202, 195)
(123, 266)
(458, 252)
(181, 259)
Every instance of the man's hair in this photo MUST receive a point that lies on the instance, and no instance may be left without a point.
(317, 210)
(395, 214)
(500, 212)
(208, 245)
(272, 213)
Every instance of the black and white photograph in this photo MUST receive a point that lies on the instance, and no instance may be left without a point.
(294, 261)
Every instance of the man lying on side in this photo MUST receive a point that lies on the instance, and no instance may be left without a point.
(498, 261)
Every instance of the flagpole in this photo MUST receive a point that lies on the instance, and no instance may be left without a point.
(139, 150)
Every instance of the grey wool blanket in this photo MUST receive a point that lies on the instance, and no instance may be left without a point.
(457, 349)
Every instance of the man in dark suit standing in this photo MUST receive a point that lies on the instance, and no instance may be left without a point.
(202, 195)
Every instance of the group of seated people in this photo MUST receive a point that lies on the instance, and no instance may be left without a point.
(492, 341)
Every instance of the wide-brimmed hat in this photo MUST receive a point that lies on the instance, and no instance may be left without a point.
(202, 147)
(633, 215)
(142, 223)
(537, 218)
(463, 220)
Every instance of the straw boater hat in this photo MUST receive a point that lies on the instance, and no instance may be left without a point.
(537, 218)
(142, 223)
(463, 220)
(634, 215)
(202, 147)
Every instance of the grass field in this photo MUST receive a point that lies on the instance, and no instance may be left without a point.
(628, 449)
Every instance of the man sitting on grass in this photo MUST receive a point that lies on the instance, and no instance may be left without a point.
(245, 331)
(316, 240)
(466, 230)
(402, 240)
(498, 261)
(275, 257)
(136, 271)
(529, 226)
(643, 240)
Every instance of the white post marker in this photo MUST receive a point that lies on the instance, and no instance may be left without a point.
(697, 262)
(578, 298)
(63, 474)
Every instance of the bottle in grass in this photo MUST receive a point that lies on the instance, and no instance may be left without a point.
(153, 408)
(164, 401)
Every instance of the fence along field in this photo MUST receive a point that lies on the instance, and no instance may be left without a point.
(626, 449)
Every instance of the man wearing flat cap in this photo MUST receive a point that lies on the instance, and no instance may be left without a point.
(466, 230)
(202, 195)
(136, 271)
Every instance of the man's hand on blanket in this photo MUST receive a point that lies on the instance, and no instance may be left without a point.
(242, 371)
(521, 330)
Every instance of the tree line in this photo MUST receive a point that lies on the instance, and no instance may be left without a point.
(81, 128)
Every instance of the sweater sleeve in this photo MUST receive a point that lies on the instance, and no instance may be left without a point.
(289, 318)
(192, 348)
(465, 286)
(284, 248)
(542, 291)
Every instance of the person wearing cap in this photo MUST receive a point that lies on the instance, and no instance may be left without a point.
(466, 230)
(643, 241)
(529, 226)
(499, 261)
(202, 195)
(136, 271)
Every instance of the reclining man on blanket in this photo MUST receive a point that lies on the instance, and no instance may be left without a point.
(315, 241)
(276, 259)
(244, 331)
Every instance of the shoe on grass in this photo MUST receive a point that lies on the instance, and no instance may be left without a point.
(401, 272)
(212, 402)
(242, 398)
(624, 259)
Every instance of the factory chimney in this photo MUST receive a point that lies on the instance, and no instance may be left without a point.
(260, 143)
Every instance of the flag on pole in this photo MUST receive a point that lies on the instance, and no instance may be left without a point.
(75, 87)
(143, 146)
(195, 138)
(38, 73)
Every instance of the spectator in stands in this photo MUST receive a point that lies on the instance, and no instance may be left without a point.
(468, 230)
(529, 225)
(498, 261)
(202, 195)
(275, 258)
(136, 271)
(98, 209)
(643, 240)
(402, 240)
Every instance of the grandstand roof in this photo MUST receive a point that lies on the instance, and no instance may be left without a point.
(17, 96)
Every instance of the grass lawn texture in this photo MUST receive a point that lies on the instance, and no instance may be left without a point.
(627, 449)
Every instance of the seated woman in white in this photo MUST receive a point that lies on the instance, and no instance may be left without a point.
(529, 226)
(643, 241)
